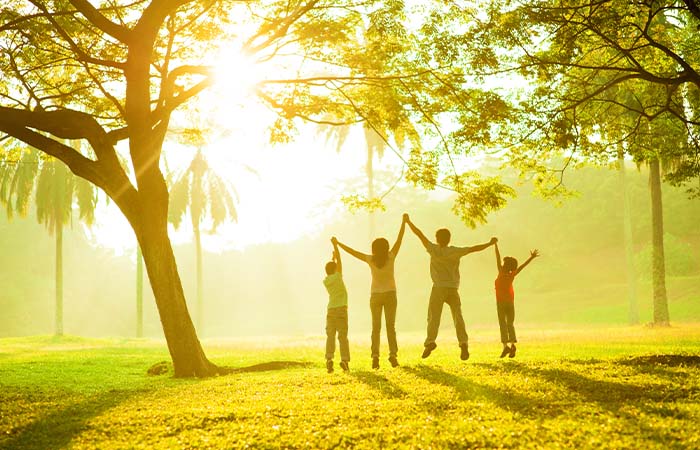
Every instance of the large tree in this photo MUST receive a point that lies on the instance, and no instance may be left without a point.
(599, 77)
(112, 74)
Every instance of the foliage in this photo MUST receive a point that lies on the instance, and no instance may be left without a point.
(597, 78)
(566, 287)
(117, 73)
(204, 192)
(356, 202)
(56, 190)
(678, 256)
(17, 178)
(477, 196)
(633, 388)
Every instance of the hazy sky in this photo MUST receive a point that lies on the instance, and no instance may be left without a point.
(295, 188)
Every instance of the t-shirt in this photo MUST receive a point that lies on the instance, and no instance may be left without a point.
(382, 277)
(504, 287)
(444, 264)
(337, 294)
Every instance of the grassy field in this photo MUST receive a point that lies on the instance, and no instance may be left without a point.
(587, 388)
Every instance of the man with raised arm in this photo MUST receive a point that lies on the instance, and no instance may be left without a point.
(444, 271)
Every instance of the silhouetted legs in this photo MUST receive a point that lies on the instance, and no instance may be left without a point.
(383, 301)
(506, 317)
(438, 296)
(337, 322)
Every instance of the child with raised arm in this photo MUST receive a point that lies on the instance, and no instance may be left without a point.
(337, 315)
(505, 298)
(383, 291)
(444, 271)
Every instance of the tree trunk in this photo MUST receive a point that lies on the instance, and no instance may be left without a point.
(200, 299)
(184, 346)
(661, 316)
(630, 273)
(59, 280)
(139, 292)
(369, 170)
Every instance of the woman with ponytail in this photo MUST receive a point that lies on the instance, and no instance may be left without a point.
(383, 291)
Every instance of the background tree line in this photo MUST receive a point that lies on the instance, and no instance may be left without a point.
(580, 279)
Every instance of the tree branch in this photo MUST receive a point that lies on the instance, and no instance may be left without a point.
(81, 55)
(122, 34)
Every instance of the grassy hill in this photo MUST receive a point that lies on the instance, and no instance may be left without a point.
(625, 387)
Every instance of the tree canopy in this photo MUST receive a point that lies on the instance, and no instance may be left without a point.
(597, 76)
(113, 75)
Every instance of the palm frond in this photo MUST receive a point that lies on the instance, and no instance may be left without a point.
(221, 201)
(179, 199)
(26, 170)
(86, 194)
(375, 144)
(337, 134)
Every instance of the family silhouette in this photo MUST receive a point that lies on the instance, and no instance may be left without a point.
(444, 273)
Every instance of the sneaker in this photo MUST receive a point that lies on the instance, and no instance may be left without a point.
(464, 353)
(375, 363)
(512, 351)
(344, 365)
(429, 349)
(506, 351)
(329, 366)
(394, 362)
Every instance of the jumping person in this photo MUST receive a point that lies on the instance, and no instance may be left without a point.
(444, 271)
(337, 314)
(505, 298)
(383, 291)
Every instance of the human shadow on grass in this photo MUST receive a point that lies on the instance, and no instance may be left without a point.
(671, 367)
(56, 429)
(662, 365)
(470, 390)
(380, 383)
(614, 396)
(663, 360)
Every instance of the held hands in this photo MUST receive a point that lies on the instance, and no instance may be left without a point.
(334, 241)
(493, 241)
(534, 253)
(406, 218)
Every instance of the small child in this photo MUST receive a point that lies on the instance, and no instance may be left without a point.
(337, 316)
(505, 297)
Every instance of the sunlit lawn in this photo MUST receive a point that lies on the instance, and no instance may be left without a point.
(598, 388)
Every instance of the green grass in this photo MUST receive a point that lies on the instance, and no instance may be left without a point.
(602, 303)
(585, 388)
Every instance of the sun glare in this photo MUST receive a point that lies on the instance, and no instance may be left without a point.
(283, 190)
(236, 76)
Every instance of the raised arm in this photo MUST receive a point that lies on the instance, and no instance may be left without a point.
(480, 247)
(399, 238)
(336, 256)
(359, 255)
(498, 258)
(533, 254)
(424, 240)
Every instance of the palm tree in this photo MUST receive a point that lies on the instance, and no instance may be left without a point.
(201, 190)
(56, 191)
(375, 145)
(139, 291)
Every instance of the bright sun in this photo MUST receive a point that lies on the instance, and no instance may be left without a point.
(236, 76)
(280, 188)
